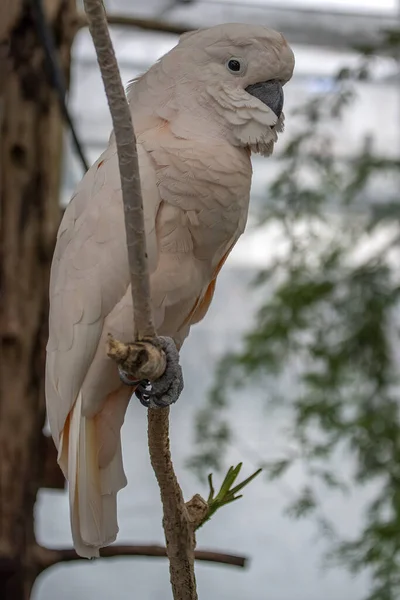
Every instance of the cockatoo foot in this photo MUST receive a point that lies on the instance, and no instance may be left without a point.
(165, 390)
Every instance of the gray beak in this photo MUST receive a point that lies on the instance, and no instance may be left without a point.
(270, 93)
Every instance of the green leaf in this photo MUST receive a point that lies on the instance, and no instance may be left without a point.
(227, 494)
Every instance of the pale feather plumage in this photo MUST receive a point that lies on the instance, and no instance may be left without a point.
(195, 126)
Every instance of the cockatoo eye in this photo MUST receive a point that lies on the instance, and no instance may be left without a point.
(235, 65)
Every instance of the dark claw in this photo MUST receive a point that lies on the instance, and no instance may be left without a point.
(147, 397)
(143, 392)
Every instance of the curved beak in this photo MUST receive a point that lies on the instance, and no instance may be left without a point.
(270, 93)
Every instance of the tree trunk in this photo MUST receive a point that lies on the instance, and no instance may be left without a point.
(30, 155)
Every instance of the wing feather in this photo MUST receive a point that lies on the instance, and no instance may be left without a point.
(90, 277)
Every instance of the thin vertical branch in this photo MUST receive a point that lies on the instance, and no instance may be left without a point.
(178, 526)
(128, 167)
(179, 531)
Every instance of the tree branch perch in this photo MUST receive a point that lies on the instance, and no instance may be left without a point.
(179, 530)
(48, 557)
(139, 22)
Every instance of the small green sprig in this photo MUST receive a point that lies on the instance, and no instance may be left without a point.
(227, 493)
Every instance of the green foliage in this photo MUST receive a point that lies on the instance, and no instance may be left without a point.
(330, 319)
(227, 493)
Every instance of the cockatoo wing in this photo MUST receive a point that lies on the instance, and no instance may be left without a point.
(89, 297)
(90, 279)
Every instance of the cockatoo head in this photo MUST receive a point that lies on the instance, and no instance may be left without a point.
(225, 81)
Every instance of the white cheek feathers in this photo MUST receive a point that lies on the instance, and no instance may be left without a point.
(259, 137)
(250, 123)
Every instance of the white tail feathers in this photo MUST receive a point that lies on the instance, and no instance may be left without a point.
(92, 489)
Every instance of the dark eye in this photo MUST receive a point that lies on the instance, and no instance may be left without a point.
(235, 65)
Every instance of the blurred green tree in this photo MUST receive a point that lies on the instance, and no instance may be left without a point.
(330, 320)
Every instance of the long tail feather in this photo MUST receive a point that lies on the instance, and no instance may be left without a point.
(92, 489)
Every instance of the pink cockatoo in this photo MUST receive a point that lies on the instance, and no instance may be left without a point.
(198, 114)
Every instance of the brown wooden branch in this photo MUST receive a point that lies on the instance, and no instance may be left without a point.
(48, 557)
(140, 23)
(197, 509)
(179, 531)
(140, 360)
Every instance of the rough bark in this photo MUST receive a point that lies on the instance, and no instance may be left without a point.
(30, 155)
(179, 531)
(9, 10)
(47, 557)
